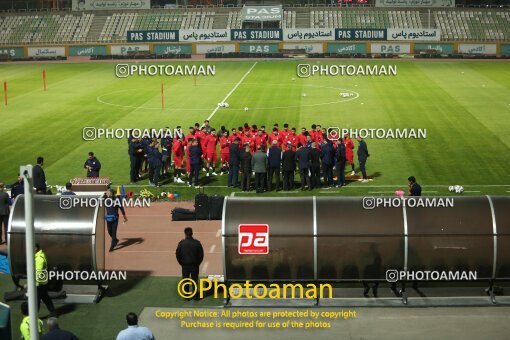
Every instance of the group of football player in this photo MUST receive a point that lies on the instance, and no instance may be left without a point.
(159, 156)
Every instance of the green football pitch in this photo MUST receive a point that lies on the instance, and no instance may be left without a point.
(464, 107)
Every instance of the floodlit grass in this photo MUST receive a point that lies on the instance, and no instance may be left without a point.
(463, 105)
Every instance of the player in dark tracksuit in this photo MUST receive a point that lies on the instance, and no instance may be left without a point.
(155, 162)
(166, 153)
(195, 157)
(92, 165)
(190, 254)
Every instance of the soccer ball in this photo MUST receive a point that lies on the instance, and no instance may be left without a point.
(451, 188)
(293, 79)
(304, 94)
(459, 189)
(220, 104)
(163, 194)
(246, 109)
(226, 104)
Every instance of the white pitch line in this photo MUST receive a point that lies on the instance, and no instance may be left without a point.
(471, 190)
(232, 91)
(211, 250)
(204, 267)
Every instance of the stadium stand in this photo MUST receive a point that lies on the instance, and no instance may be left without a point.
(289, 19)
(234, 19)
(54, 28)
(325, 19)
(473, 25)
(64, 27)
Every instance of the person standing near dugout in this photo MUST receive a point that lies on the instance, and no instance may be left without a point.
(190, 254)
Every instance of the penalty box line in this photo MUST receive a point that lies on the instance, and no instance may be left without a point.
(232, 91)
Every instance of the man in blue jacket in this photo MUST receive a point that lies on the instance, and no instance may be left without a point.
(233, 164)
(274, 160)
(327, 154)
(362, 158)
(155, 162)
(195, 156)
(92, 165)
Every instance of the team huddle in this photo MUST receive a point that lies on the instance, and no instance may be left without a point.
(240, 150)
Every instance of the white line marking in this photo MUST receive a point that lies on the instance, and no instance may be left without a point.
(232, 91)
(204, 266)
(471, 190)
(218, 233)
(211, 250)
(100, 100)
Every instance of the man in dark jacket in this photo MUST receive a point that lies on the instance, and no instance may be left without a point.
(92, 165)
(340, 160)
(5, 202)
(315, 166)
(288, 167)
(190, 255)
(274, 158)
(233, 164)
(246, 168)
(39, 177)
(166, 150)
(135, 158)
(259, 166)
(155, 162)
(362, 157)
(327, 155)
(195, 155)
(303, 157)
(414, 187)
(17, 188)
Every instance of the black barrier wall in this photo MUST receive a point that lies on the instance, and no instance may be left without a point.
(337, 239)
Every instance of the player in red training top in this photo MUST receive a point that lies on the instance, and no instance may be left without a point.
(225, 142)
(248, 139)
(178, 152)
(349, 153)
(275, 136)
(210, 152)
(260, 140)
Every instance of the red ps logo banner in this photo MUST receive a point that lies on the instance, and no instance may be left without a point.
(253, 239)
